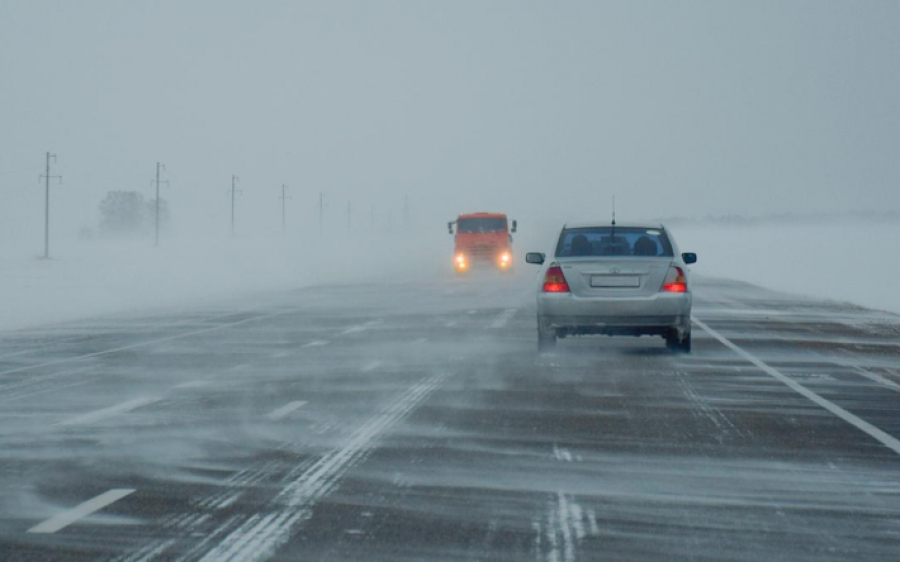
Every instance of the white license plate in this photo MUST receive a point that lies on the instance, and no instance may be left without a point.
(615, 281)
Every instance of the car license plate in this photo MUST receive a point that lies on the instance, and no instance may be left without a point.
(615, 281)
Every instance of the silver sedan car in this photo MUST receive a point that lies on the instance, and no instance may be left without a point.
(615, 280)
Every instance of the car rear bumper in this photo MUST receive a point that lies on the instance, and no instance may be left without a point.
(656, 315)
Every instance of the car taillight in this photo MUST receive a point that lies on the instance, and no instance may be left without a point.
(675, 281)
(555, 281)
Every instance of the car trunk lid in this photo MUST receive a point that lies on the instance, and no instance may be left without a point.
(612, 277)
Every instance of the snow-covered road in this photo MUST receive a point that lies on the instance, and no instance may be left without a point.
(416, 421)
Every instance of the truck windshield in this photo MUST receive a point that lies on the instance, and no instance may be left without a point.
(614, 241)
(481, 225)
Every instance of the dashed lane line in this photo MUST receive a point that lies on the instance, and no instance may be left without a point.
(146, 343)
(97, 415)
(371, 366)
(193, 384)
(316, 343)
(80, 511)
(283, 411)
(361, 327)
(888, 441)
(501, 319)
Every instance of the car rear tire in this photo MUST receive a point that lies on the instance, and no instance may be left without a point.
(546, 339)
(679, 345)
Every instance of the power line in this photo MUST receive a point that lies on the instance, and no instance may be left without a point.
(46, 177)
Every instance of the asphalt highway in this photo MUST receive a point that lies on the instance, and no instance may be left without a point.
(417, 421)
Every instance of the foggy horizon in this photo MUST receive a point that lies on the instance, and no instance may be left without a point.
(530, 109)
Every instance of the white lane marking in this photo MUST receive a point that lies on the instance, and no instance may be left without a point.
(145, 343)
(371, 366)
(66, 518)
(98, 415)
(261, 535)
(55, 388)
(878, 378)
(192, 384)
(592, 521)
(23, 352)
(562, 454)
(450, 324)
(316, 343)
(281, 354)
(281, 412)
(36, 381)
(502, 318)
(361, 327)
(887, 440)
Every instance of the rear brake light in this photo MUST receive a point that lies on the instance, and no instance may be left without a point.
(675, 281)
(555, 281)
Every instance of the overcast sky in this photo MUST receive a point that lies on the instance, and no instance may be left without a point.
(678, 108)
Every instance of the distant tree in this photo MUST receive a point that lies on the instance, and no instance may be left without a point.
(124, 213)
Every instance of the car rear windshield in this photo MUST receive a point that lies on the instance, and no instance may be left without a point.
(481, 225)
(614, 241)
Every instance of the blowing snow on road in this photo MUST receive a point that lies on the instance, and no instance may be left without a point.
(419, 422)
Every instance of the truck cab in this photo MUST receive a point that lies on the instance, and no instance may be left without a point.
(482, 240)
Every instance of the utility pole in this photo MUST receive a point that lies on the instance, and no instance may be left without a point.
(284, 198)
(159, 166)
(234, 190)
(46, 177)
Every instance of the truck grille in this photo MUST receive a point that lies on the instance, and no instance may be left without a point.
(483, 252)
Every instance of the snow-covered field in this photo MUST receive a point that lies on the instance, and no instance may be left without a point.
(849, 262)
(94, 278)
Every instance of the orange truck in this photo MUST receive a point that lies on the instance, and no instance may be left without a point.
(482, 239)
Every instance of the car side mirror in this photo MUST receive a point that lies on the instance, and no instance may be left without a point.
(689, 257)
(450, 227)
(514, 227)
(534, 257)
